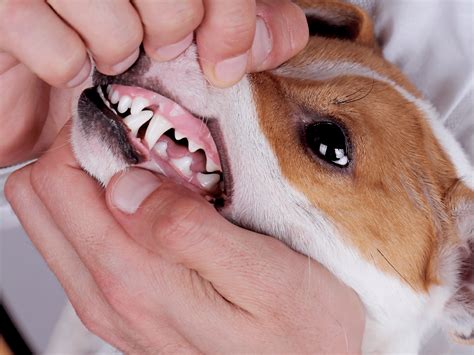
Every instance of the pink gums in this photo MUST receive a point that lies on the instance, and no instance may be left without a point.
(184, 122)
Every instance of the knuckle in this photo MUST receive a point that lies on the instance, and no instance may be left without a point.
(237, 35)
(92, 319)
(39, 176)
(12, 186)
(186, 16)
(115, 291)
(68, 67)
(111, 52)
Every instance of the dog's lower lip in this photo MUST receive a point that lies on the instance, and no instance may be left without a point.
(139, 156)
(116, 127)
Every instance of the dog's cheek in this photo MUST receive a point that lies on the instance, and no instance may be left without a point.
(94, 154)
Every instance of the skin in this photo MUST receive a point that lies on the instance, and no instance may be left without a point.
(42, 69)
(186, 280)
(176, 252)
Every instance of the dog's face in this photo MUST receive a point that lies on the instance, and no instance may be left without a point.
(333, 153)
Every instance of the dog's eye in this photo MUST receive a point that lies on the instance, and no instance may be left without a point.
(328, 141)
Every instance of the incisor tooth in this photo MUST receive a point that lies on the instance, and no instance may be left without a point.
(192, 146)
(211, 166)
(115, 97)
(184, 165)
(124, 104)
(178, 135)
(109, 89)
(208, 181)
(156, 128)
(138, 104)
(134, 122)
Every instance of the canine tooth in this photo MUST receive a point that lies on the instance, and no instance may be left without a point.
(184, 165)
(211, 166)
(138, 104)
(156, 128)
(124, 104)
(208, 181)
(115, 97)
(161, 148)
(178, 135)
(109, 89)
(192, 146)
(134, 122)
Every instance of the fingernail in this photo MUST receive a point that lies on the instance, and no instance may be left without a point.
(171, 51)
(126, 63)
(82, 75)
(262, 44)
(229, 71)
(132, 188)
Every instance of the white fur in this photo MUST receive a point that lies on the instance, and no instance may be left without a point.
(262, 199)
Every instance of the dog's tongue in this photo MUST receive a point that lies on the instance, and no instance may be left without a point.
(175, 142)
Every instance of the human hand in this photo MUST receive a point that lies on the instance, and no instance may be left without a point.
(174, 275)
(46, 44)
(53, 38)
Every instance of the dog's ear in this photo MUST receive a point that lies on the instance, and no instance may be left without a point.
(338, 19)
(459, 311)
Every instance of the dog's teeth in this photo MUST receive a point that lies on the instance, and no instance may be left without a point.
(101, 94)
(178, 135)
(156, 128)
(134, 122)
(343, 161)
(138, 104)
(192, 146)
(208, 181)
(108, 90)
(184, 165)
(115, 97)
(124, 104)
(211, 166)
(161, 148)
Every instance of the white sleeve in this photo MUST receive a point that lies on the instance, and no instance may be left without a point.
(432, 42)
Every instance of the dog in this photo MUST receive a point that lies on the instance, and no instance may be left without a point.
(335, 153)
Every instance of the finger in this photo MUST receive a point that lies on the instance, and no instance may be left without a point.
(183, 228)
(120, 268)
(224, 39)
(282, 32)
(72, 198)
(61, 258)
(35, 35)
(111, 30)
(169, 26)
(7, 62)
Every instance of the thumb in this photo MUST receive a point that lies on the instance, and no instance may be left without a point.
(184, 228)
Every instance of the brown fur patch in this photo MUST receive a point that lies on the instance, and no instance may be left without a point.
(389, 203)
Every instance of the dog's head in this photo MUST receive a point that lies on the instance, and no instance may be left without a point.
(334, 152)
